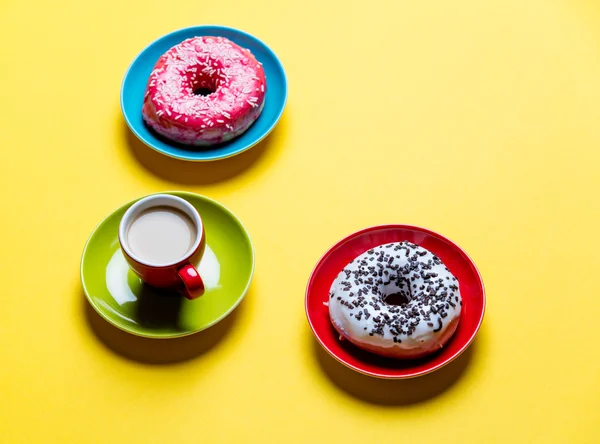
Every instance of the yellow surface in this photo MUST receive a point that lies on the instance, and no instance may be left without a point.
(478, 119)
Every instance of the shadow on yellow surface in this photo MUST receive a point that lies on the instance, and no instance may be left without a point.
(200, 173)
(157, 351)
(389, 391)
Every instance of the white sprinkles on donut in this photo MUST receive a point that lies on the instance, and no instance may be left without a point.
(426, 296)
(234, 79)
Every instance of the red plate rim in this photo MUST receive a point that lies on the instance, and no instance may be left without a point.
(404, 375)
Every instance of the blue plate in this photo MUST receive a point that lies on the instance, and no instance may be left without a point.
(136, 79)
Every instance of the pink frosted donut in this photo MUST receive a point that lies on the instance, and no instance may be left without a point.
(204, 91)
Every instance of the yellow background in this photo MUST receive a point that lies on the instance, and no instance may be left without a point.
(478, 119)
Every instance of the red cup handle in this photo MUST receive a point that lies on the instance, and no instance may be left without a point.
(192, 282)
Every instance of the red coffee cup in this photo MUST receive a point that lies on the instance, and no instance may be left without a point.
(180, 274)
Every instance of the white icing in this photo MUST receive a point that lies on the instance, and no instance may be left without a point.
(354, 328)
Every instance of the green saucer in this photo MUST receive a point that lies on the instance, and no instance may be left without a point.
(119, 296)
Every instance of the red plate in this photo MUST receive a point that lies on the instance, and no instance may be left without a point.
(461, 266)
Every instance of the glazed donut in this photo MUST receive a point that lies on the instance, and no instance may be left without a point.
(396, 300)
(204, 91)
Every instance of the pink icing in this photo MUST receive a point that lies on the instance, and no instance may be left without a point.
(236, 78)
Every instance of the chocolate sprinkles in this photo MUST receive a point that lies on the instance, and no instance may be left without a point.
(428, 291)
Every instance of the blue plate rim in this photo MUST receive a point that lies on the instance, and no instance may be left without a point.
(208, 158)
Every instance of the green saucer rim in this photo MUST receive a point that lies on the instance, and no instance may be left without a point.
(167, 335)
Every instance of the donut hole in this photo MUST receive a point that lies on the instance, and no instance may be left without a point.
(203, 91)
(203, 84)
(398, 299)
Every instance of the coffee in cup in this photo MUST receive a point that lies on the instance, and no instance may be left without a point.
(162, 236)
